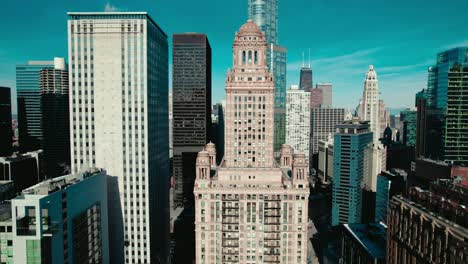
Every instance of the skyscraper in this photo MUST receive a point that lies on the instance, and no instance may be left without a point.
(191, 91)
(306, 81)
(55, 119)
(29, 104)
(323, 122)
(316, 98)
(455, 137)
(278, 68)
(351, 150)
(373, 110)
(409, 118)
(445, 96)
(119, 121)
(384, 117)
(6, 129)
(54, 222)
(327, 91)
(325, 160)
(248, 209)
(370, 102)
(265, 14)
(298, 120)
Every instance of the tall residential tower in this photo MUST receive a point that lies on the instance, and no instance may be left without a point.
(119, 121)
(249, 209)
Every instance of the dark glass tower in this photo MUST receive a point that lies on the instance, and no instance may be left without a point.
(305, 82)
(55, 120)
(29, 104)
(5, 122)
(191, 93)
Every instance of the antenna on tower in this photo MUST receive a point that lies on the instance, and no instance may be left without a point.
(309, 57)
(303, 63)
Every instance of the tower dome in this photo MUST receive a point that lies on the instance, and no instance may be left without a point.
(250, 33)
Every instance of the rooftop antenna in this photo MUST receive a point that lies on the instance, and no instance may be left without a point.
(303, 64)
(309, 57)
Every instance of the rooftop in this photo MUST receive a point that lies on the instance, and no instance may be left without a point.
(20, 157)
(372, 237)
(50, 186)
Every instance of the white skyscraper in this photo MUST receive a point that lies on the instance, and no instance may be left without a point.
(119, 122)
(298, 119)
(369, 110)
(370, 102)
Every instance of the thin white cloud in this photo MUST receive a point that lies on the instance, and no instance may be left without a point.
(111, 8)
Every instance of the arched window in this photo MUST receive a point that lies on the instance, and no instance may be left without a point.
(255, 57)
(250, 56)
(243, 57)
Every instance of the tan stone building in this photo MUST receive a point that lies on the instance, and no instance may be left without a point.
(250, 208)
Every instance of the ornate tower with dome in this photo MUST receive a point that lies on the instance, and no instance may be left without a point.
(250, 208)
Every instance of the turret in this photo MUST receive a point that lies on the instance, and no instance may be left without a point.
(211, 149)
(300, 167)
(286, 158)
(203, 165)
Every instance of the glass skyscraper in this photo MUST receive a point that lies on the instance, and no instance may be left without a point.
(265, 14)
(29, 104)
(445, 98)
(351, 162)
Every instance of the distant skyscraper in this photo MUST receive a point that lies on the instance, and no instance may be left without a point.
(370, 102)
(352, 147)
(325, 160)
(6, 129)
(191, 91)
(316, 98)
(384, 117)
(55, 119)
(323, 121)
(373, 110)
(445, 97)
(63, 220)
(29, 104)
(306, 81)
(246, 208)
(298, 120)
(119, 121)
(327, 91)
(409, 119)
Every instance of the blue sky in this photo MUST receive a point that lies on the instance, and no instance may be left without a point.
(400, 37)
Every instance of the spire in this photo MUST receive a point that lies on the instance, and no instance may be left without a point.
(309, 57)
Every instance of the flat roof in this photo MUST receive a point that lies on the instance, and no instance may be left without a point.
(117, 13)
(372, 237)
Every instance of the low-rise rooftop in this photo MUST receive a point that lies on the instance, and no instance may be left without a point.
(372, 237)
